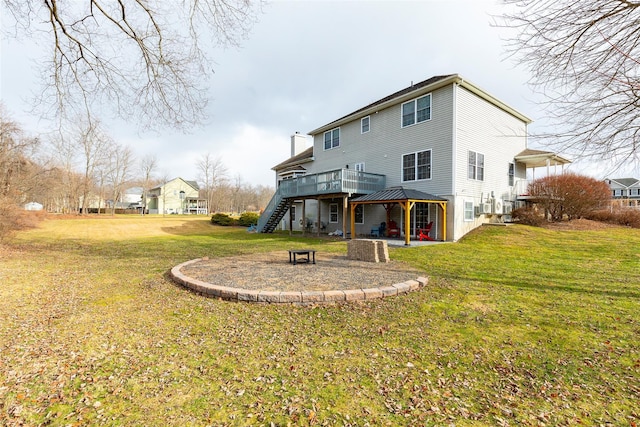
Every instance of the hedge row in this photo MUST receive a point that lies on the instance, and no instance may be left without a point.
(246, 219)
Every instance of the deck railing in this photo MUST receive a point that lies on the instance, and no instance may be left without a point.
(335, 181)
(331, 182)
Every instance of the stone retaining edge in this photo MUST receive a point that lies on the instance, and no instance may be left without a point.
(291, 297)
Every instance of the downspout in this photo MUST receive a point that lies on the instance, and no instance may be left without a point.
(454, 158)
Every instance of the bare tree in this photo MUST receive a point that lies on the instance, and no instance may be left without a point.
(70, 182)
(148, 165)
(213, 174)
(584, 56)
(143, 59)
(16, 158)
(119, 171)
(83, 148)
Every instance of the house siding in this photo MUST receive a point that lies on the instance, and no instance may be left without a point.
(463, 118)
(484, 128)
(382, 148)
(168, 197)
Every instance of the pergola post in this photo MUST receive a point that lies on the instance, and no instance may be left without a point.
(407, 221)
(345, 210)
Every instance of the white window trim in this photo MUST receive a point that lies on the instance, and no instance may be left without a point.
(464, 211)
(475, 177)
(415, 153)
(337, 213)
(415, 111)
(362, 123)
(359, 166)
(331, 132)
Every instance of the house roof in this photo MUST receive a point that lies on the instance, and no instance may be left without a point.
(539, 158)
(193, 184)
(397, 194)
(418, 89)
(625, 182)
(303, 157)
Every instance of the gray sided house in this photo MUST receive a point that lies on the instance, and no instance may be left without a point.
(442, 151)
(625, 192)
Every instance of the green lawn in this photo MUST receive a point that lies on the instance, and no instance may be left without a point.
(518, 326)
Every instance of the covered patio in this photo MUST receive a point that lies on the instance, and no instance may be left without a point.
(407, 199)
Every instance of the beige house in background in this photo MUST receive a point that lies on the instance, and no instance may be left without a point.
(177, 196)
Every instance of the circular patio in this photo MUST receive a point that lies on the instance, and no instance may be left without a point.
(270, 278)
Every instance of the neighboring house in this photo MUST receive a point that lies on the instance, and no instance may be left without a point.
(176, 197)
(625, 191)
(132, 197)
(442, 151)
(33, 206)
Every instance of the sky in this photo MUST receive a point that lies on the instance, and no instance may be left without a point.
(305, 64)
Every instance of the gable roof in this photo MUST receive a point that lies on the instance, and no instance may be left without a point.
(303, 157)
(418, 89)
(193, 184)
(397, 194)
(625, 182)
(538, 158)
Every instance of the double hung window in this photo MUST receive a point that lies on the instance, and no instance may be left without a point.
(476, 166)
(333, 212)
(365, 124)
(416, 111)
(416, 166)
(332, 139)
(468, 210)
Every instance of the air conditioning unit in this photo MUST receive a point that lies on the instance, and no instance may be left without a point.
(483, 208)
(507, 208)
(497, 206)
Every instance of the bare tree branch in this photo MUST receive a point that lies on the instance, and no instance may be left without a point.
(145, 61)
(584, 56)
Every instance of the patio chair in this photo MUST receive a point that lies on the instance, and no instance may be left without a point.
(394, 230)
(379, 230)
(423, 233)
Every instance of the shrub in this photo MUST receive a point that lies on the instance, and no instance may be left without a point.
(569, 196)
(527, 216)
(14, 218)
(222, 219)
(625, 217)
(248, 218)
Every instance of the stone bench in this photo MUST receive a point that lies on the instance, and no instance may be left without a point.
(369, 250)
